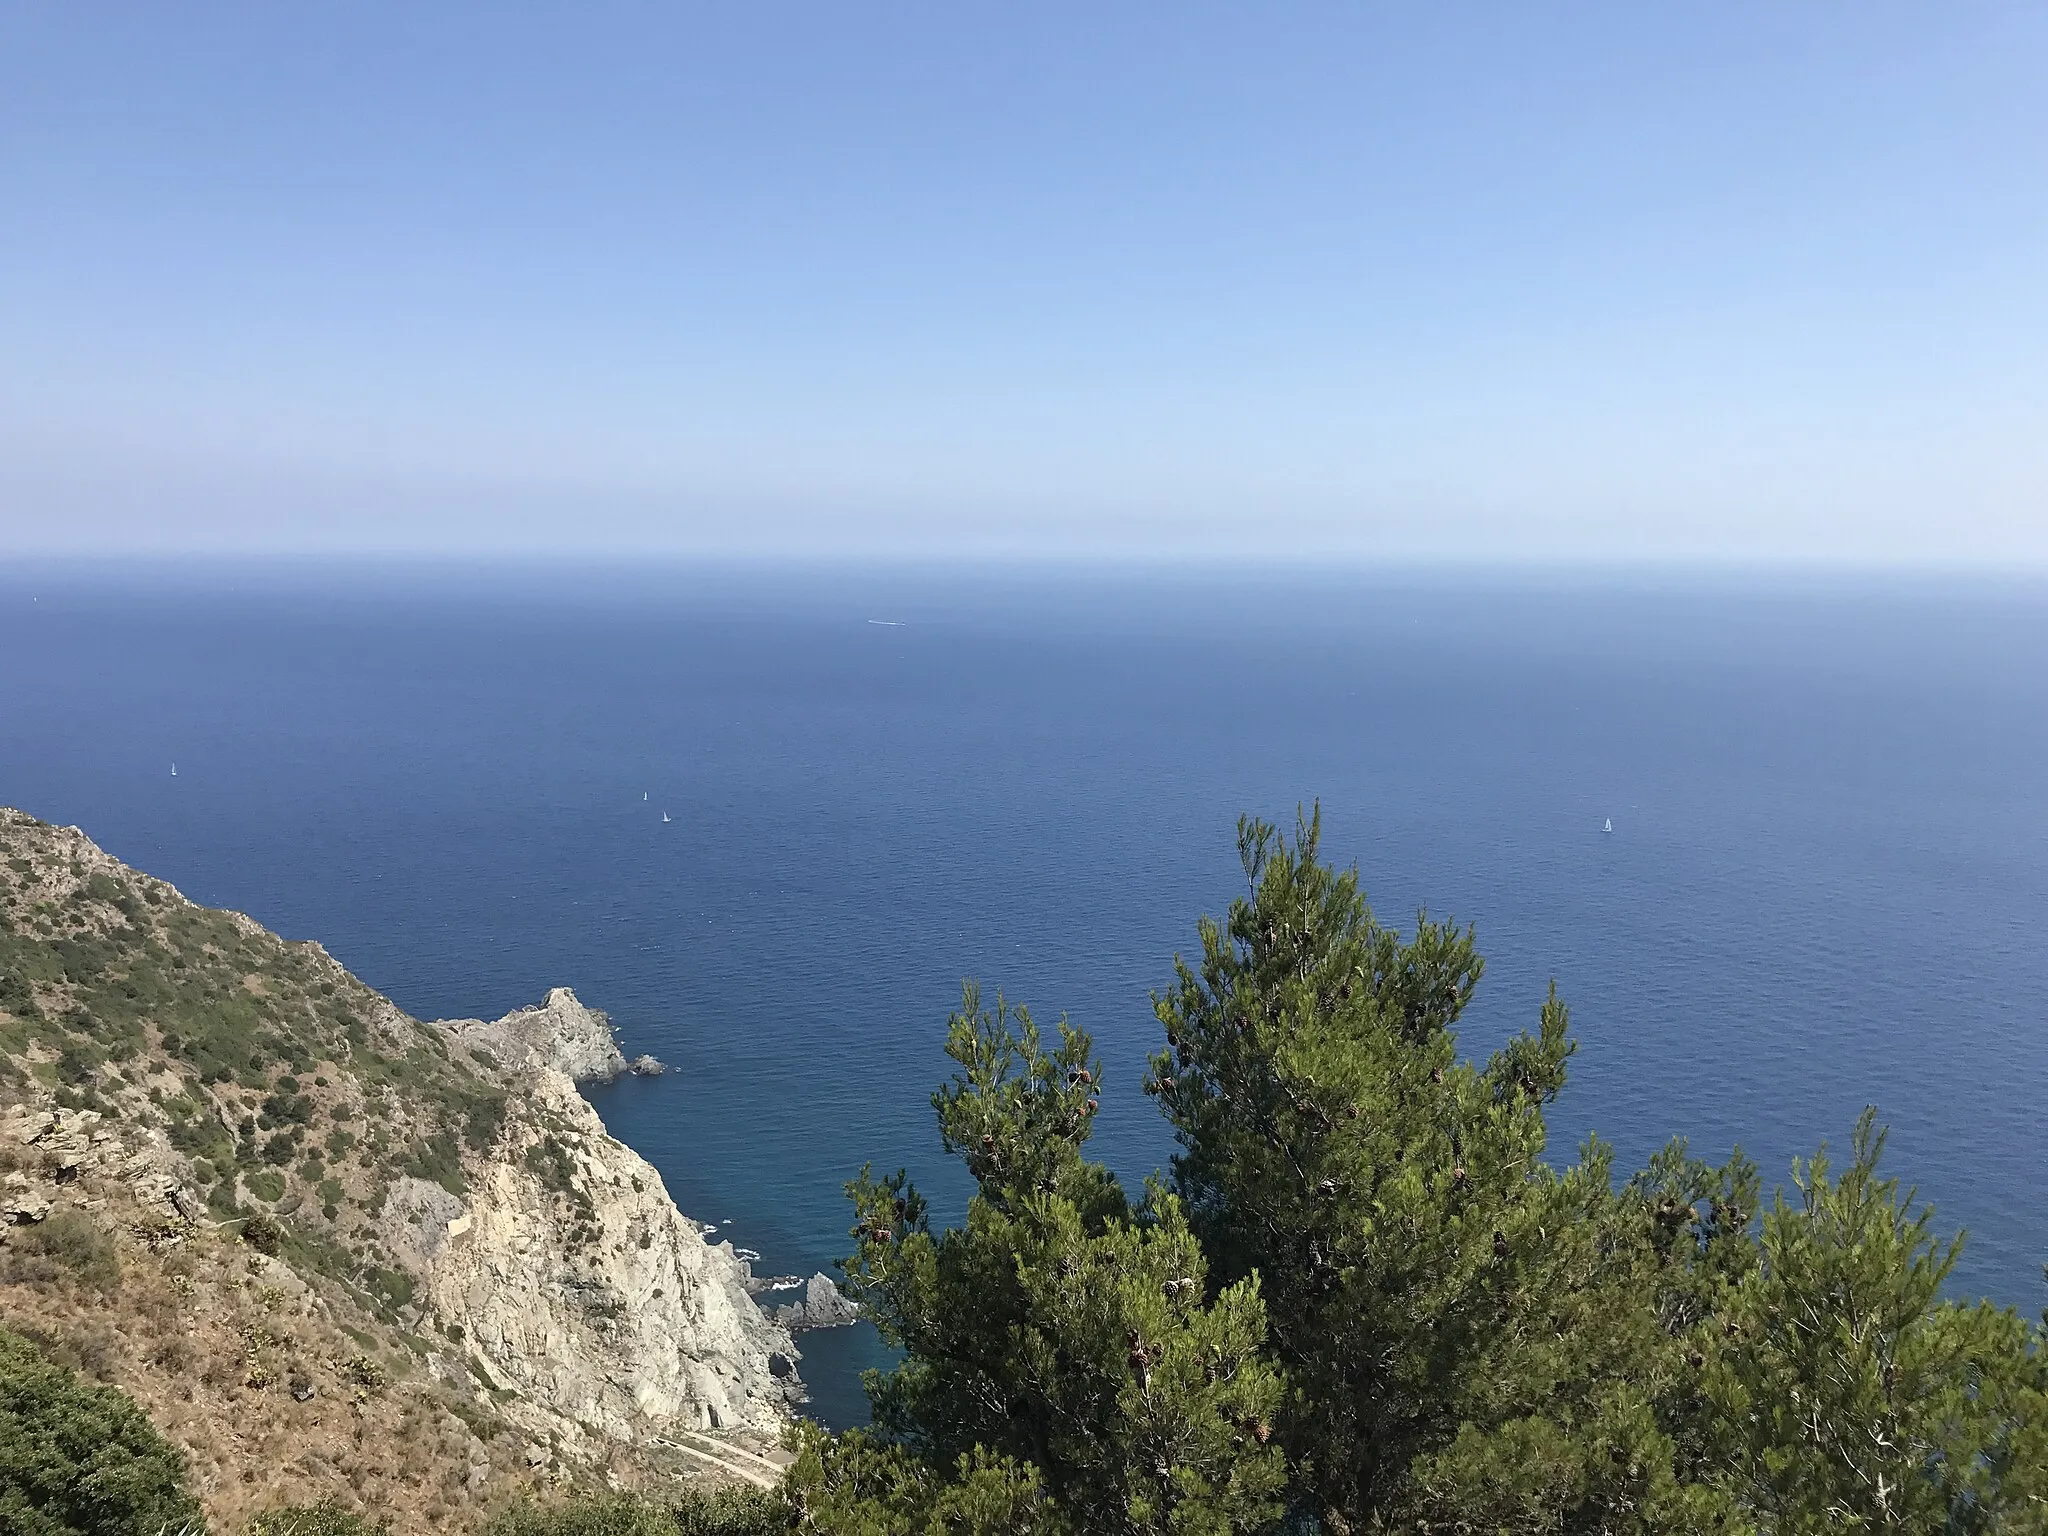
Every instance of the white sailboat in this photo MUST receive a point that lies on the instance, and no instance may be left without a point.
(664, 815)
(1610, 825)
(174, 770)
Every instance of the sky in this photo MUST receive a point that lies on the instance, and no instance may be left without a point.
(1478, 282)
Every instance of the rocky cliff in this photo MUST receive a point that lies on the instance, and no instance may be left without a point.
(435, 1204)
(570, 1272)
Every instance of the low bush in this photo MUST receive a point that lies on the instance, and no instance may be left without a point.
(326, 1518)
(686, 1512)
(265, 1184)
(73, 1240)
(77, 1459)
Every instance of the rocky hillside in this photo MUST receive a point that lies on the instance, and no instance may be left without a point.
(333, 1249)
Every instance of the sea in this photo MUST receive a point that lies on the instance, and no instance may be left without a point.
(770, 817)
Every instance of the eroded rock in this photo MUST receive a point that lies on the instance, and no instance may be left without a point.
(822, 1306)
(573, 1277)
(559, 1034)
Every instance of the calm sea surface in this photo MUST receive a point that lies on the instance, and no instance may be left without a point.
(1827, 883)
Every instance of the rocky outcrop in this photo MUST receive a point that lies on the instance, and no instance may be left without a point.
(558, 1033)
(65, 1146)
(822, 1306)
(573, 1278)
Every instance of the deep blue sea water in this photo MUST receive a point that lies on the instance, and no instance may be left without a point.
(1827, 883)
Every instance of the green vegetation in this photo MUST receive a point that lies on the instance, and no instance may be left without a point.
(1364, 1302)
(285, 1081)
(1366, 1296)
(1062, 1330)
(324, 1519)
(687, 1512)
(77, 1459)
(551, 1163)
(265, 1185)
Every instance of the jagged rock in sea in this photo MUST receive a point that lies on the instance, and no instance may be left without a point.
(557, 1033)
(645, 1066)
(823, 1306)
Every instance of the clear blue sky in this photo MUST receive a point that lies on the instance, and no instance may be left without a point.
(1511, 281)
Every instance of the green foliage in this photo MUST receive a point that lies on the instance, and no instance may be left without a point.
(1366, 1249)
(862, 1485)
(266, 1185)
(686, 1511)
(1060, 1328)
(1848, 1395)
(553, 1165)
(392, 1288)
(78, 1459)
(1432, 1280)
(1370, 1298)
(326, 1518)
(115, 969)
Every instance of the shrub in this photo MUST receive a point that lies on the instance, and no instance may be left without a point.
(327, 1518)
(685, 1512)
(74, 1240)
(78, 1459)
(265, 1184)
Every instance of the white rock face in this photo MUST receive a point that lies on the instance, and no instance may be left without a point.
(559, 1033)
(576, 1281)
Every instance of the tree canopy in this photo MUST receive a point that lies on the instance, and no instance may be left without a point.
(1366, 1298)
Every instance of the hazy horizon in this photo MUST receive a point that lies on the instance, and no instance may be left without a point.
(1600, 287)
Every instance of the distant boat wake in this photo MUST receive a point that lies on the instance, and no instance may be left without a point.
(888, 623)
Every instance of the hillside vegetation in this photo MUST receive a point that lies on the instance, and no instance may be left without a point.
(225, 1167)
(287, 1082)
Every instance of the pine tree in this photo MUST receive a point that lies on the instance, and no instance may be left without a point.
(1367, 1302)
(1063, 1347)
(1849, 1395)
(1471, 1337)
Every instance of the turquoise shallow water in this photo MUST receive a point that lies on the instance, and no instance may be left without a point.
(1826, 884)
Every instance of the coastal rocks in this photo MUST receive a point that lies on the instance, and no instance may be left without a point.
(559, 1034)
(576, 1283)
(442, 1194)
(823, 1306)
(645, 1066)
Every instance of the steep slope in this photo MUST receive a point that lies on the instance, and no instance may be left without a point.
(399, 1220)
